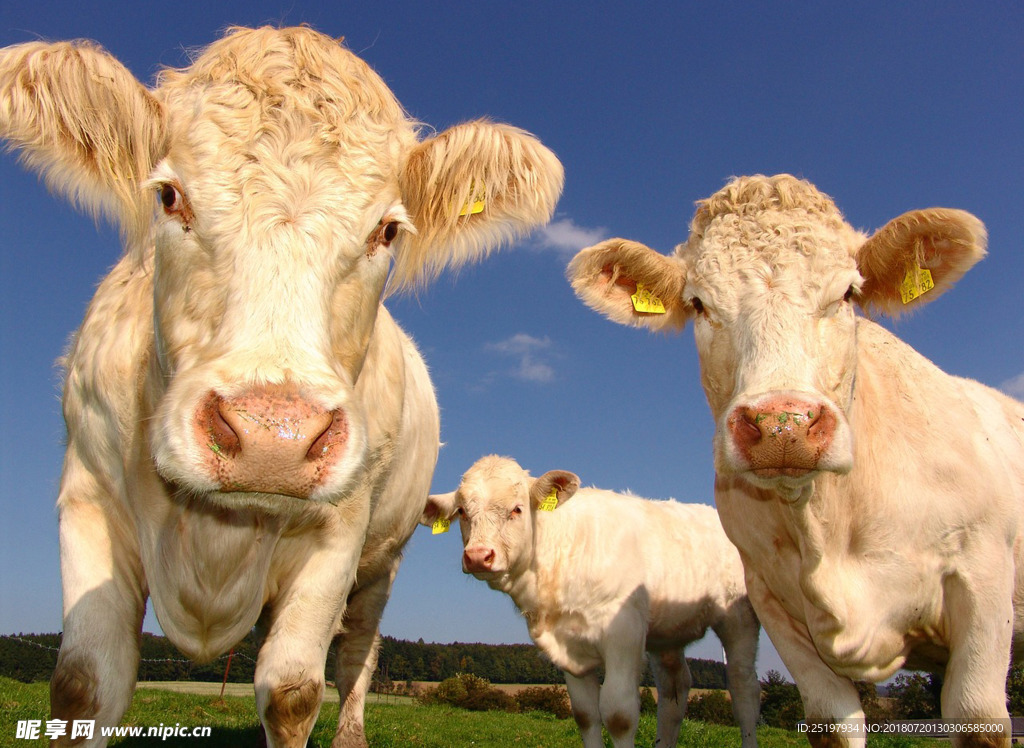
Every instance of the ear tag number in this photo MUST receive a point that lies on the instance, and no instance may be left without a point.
(441, 525)
(475, 206)
(917, 282)
(550, 501)
(645, 301)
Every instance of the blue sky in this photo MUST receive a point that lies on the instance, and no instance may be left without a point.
(885, 106)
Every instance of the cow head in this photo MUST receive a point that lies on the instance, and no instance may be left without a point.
(496, 503)
(270, 190)
(769, 277)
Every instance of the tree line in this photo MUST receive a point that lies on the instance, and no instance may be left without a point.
(32, 657)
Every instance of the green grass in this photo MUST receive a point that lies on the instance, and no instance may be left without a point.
(235, 724)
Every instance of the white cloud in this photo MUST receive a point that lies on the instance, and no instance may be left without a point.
(566, 237)
(528, 352)
(1014, 387)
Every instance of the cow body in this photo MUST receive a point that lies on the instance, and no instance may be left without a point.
(604, 577)
(876, 501)
(250, 434)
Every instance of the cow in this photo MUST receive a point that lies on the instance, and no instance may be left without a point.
(876, 501)
(602, 578)
(250, 435)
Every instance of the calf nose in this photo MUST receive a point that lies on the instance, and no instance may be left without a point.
(782, 435)
(477, 559)
(271, 440)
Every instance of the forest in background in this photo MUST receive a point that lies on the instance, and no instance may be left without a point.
(32, 657)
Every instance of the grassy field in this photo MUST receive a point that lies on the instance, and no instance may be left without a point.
(235, 725)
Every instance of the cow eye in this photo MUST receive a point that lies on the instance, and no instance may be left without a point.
(697, 304)
(461, 512)
(171, 198)
(517, 510)
(848, 295)
(388, 232)
(382, 236)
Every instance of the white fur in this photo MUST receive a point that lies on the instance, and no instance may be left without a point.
(902, 549)
(604, 577)
(285, 156)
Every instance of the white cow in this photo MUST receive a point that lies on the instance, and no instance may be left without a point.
(251, 436)
(875, 500)
(603, 578)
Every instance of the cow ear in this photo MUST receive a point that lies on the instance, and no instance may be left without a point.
(439, 506)
(85, 124)
(918, 256)
(613, 276)
(467, 190)
(561, 483)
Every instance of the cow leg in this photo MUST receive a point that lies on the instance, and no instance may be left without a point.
(104, 602)
(356, 659)
(289, 677)
(672, 678)
(739, 633)
(827, 697)
(980, 616)
(584, 696)
(624, 641)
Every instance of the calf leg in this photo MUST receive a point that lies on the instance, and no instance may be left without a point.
(356, 659)
(827, 697)
(739, 632)
(623, 651)
(584, 695)
(104, 602)
(672, 677)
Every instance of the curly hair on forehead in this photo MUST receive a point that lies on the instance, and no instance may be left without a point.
(747, 196)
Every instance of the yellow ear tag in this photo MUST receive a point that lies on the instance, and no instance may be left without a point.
(550, 501)
(645, 301)
(440, 525)
(917, 282)
(474, 207)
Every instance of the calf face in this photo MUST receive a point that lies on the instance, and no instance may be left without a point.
(769, 277)
(496, 503)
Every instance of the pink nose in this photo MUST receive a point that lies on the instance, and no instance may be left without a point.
(270, 440)
(477, 558)
(782, 436)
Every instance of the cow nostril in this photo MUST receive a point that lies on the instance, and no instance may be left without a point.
(224, 439)
(334, 432)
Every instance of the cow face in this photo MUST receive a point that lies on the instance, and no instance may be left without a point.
(268, 191)
(497, 503)
(769, 276)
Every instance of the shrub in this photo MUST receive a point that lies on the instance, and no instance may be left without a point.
(712, 707)
(648, 705)
(468, 691)
(780, 702)
(551, 699)
(916, 695)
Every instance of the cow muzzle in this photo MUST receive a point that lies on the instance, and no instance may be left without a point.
(786, 436)
(478, 560)
(270, 439)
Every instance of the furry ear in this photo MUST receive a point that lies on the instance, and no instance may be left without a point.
(84, 123)
(469, 189)
(942, 241)
(607, 276)
(439, 506)
(562, 482)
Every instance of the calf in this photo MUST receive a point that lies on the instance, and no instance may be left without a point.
(603, 578)
(875, 500)
(251, 436)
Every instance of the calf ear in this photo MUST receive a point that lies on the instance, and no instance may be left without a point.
(439, 506)
(85, 124)
(563, 483)
(608, 276)
(942, 241)
(469, 189)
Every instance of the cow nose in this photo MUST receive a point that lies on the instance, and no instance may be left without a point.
(271, 440)
(782, 436)
(477, 559)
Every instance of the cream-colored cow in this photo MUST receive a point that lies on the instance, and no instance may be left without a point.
(875, 500)
(604, 577)
(251, 436)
